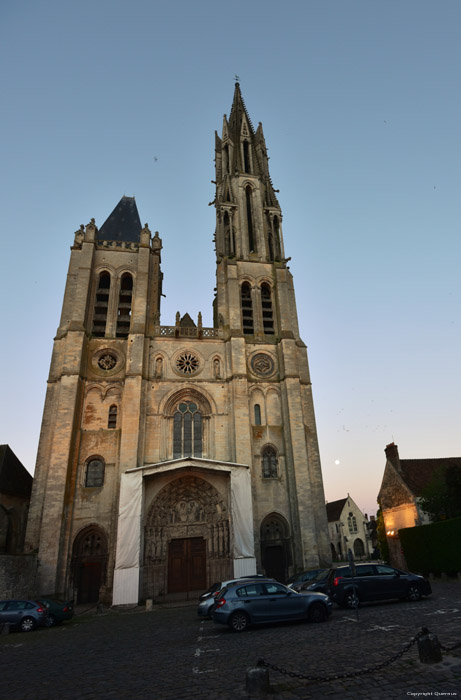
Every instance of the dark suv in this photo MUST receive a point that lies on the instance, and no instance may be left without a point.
(374, 582)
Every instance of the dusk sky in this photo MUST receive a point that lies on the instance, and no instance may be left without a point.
(361, 110)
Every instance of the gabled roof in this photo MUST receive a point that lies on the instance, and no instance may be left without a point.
(123, 224)
(14, 477)
(334, 509)
(417, 473)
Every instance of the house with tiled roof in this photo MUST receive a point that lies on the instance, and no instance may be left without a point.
(403, 483)
(348, 528)
(15, 490)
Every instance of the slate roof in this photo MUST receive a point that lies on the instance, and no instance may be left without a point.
(334, 509)
(123, 224)
(14, 477)
(417, 473)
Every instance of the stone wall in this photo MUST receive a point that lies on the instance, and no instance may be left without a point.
(17, 576)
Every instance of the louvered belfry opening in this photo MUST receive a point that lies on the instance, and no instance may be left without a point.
(124, 306)
(268, 313)
(101, 305)
(247, 309)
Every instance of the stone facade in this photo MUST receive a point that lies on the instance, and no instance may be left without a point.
(399, 497)
(178, 455)
(348, 529)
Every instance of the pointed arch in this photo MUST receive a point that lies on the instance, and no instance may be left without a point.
(124, 306)
(247, 308)
(267, 310)
(275, 546)
(249, 218)
(269, 461)
(89, 563)
(101, 304)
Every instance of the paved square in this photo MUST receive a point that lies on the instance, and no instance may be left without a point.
(171, 654)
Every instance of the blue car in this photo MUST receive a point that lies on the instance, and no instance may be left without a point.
(255, 602)
(23, 614)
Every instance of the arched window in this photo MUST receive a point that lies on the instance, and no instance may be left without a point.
(352, 523)
(251, 238)
(269, 457)
(94, 476)
(101, 304)
(257, 414)
(226, 159)
(124, 306)
(187, 430)
(247, 309)
(276, 241)
(268, 315)
(112, 420)
(229, 240)
(246, 157)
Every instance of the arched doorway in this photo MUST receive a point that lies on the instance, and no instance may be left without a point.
(275, 546)
(186, 538)
(89, 563)
(359, 549)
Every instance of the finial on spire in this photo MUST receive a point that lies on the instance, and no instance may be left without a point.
(237, 78)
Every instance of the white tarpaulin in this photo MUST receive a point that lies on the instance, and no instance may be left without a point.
(127, 561)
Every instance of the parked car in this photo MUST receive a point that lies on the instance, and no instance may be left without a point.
(373, 582)
(297, 580)
(25, 615)
(318, 584)
(249, 603)
(207, 599)
(58, 611)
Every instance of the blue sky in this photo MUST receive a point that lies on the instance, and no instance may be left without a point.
(361, 109)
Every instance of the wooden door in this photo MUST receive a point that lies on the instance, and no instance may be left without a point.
(186, 565)
(90, 582)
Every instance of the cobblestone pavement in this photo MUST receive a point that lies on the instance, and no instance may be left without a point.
(171, 654)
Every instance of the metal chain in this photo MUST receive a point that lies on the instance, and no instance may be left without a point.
(455, 646)
(352, 674)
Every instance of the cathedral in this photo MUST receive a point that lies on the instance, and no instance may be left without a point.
(173, 456)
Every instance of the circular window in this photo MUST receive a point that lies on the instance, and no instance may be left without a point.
(107, 361)
(262, 364)
(187, 363)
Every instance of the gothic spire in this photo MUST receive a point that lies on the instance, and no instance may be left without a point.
(239, 109)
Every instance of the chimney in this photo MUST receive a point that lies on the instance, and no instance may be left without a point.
(392, 454)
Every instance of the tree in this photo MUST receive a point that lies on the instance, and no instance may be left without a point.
(441, 498)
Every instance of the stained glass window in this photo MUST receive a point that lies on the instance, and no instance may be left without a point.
(187, 431)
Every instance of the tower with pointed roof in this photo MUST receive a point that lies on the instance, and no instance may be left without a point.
(172, 456)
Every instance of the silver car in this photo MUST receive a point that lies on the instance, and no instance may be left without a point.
(23, 614)
(250, 603)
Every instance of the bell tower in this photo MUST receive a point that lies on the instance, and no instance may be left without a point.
(255, 305)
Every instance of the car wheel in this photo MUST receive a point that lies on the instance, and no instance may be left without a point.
(51, 621)
(351, 600)
(317, 613)
(27, 624)
(414, 593)
(238, 622)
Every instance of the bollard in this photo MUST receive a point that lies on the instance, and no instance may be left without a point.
(429, 648)
(149, 604)
(5, 628)
(257, 681)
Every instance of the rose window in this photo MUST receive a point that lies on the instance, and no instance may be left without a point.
(107, 361)
(262, 364)
(187, 363)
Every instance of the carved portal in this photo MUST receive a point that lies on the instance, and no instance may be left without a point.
(188, 507)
